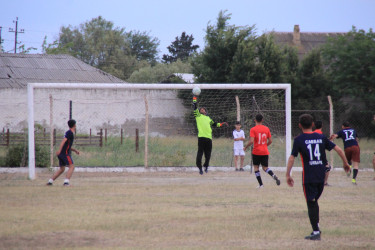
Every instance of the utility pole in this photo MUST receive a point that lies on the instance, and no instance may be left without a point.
(16, 34)
(1, 40)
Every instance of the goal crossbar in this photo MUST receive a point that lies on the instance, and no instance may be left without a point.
(148, 86)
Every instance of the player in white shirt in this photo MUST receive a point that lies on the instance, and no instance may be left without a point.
(238, 137)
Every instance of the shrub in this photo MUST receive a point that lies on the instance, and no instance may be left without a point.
(17, 156)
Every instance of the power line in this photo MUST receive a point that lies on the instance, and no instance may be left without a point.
(16, 34)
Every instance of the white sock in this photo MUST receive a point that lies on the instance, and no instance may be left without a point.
(66, 181)
(316, 232)
(50, 181)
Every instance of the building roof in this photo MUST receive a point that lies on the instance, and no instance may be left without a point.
(303, 41)
(16, 70)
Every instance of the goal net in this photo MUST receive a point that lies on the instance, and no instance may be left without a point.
(153, 125)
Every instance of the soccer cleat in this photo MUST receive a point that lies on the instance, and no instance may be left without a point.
(354, 181)
(350, 171)
(200, 171)
(206, 169)
(237, 169)
(260, 186)
(241, 169)
(276, 179)
(49, 184)
(66, 184)
(313, 236)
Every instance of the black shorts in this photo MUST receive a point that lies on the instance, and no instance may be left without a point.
(313, 190)
(260, 160)
(65, 160)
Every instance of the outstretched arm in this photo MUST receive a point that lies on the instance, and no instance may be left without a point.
(289, 179)
(269, 141)
(195, 106)
(61, 146)
(332, 137)
(75, 151)
(251, 141)
(343, 158)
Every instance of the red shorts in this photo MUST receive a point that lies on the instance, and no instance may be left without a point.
(352, 153)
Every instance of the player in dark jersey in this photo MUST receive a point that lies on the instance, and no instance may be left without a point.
(352, 152)
(64, 154)
(311, 146)
(204, 125)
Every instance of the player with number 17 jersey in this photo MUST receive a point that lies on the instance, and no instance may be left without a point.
(311, 147)
(260, 133)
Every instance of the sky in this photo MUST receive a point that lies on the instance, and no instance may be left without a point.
(167, 19)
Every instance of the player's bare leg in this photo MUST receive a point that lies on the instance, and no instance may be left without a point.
(242, 158)
(56, 175)
(270, 172)
(326, 179)
(355, 171)
(236, 162)
(69, 175)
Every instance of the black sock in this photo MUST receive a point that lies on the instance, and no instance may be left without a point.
(269, 171)
(313, 210)
(355, 172)
(257, 174)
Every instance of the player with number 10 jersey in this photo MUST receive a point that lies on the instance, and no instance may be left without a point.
(260, 138)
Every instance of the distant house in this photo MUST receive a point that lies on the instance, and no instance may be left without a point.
(16, 70)
(95, 109)
(182, 77)
(303, 41)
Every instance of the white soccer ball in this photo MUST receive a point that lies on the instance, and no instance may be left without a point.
(247, 167)
(196, 91)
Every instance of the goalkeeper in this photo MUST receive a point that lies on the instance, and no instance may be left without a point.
(204, 124)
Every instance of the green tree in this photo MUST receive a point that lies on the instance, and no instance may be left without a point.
(349, 60)
(159, 72)
(311, 87)
(182, 48)
(143, 46)
(214, 63)
(100, 44)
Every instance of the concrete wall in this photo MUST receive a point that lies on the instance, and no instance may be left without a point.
(95, 109)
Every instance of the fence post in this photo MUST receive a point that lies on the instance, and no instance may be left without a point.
(105, 135)
(70, 109)
(331, 119)
(122, 133)
(52, 131)
(136, 140)
(101, 138)
(8, 139)
(146, 132)
(90, 136)
(54, 137)
(238, 108)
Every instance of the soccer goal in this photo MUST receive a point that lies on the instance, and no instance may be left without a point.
(152, 125)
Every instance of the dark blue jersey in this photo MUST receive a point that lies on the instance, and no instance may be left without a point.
(67, 148)
(311, 147)
(349, 137)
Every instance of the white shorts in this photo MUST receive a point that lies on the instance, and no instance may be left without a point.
(238, 151)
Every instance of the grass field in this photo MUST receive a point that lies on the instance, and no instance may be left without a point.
(181, 210)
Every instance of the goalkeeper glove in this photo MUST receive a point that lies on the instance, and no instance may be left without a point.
(224, 123)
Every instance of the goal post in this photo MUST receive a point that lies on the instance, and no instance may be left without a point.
(32, 87)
